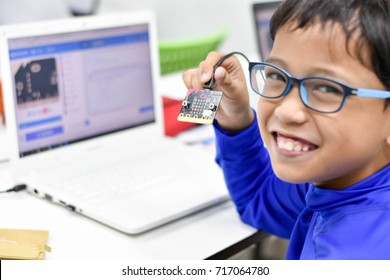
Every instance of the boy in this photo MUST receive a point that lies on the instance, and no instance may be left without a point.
(324, 179)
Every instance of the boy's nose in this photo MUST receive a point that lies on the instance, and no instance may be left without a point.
(290, 108)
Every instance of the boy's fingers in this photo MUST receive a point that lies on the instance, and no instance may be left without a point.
(206, 67)
(205, 77)
(225, 82)
(187, 77)
(197, 77)
(220, 75)
(191, 79)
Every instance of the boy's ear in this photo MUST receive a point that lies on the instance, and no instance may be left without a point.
(388, 148)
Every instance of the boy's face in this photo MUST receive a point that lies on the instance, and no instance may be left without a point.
(332, 150)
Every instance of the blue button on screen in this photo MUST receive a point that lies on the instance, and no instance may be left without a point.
(44, 133)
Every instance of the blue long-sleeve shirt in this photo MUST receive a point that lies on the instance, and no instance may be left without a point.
(352, 223)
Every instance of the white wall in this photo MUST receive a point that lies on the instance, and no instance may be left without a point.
(179, 19)
(15, 11)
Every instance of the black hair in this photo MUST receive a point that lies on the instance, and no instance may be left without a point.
(370, 18)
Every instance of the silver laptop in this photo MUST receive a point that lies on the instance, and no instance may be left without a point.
(84, 123)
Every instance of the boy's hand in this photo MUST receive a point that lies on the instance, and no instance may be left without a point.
(234, 112)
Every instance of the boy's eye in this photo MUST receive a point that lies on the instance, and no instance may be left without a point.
(323, 88)
(275, 76)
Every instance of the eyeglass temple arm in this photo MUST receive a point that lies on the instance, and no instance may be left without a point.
(373, 93)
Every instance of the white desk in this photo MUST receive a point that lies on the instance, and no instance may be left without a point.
(73, 236)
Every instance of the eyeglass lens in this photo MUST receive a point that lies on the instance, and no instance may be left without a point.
(319, 94)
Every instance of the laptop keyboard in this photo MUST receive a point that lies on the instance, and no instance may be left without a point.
(123, 177)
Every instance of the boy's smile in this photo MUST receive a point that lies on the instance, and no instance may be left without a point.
(333, 150)
(291, 145)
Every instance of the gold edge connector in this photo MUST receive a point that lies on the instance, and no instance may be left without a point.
(195, 120)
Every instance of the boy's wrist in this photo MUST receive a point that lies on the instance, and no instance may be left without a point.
(237, 141)
(236, 122)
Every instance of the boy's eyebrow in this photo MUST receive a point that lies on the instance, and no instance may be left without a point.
(276, 61)
(316, 71)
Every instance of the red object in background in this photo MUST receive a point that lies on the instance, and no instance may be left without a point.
(171, 111)
(1, 103)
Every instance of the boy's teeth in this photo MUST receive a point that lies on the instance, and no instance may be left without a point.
(288, 146)
(297, 148)
(291, 145)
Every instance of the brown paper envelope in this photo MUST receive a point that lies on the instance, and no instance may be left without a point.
(23, 244)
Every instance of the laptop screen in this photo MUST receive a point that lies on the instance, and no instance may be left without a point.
(75, 86)
(263, 12)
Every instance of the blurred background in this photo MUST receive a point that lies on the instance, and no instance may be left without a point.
(226, 25)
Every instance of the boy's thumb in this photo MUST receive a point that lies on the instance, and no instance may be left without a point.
(223, 79)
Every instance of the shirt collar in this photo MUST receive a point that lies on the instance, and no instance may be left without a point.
(365, 191)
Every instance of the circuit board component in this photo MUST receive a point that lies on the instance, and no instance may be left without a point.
(200, 106)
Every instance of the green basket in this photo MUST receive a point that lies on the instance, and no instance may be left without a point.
(180, 55)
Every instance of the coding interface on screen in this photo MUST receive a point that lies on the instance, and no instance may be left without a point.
(74, 86)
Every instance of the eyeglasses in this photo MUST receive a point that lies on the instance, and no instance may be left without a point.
(319, 94)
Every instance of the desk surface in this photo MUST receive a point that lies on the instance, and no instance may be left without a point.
(73, 236)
